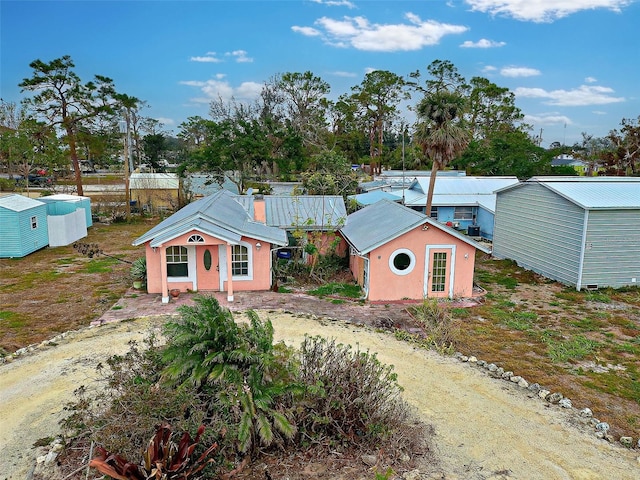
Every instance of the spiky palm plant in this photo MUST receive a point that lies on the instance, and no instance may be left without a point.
(251, 374)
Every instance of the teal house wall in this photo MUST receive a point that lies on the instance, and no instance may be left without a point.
(23, 226)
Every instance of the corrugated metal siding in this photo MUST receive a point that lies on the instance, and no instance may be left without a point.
(540, 230)
(612, 253)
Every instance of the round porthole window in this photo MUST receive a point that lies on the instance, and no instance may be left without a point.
(402, 261)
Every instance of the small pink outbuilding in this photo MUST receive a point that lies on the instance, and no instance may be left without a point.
(397, 253)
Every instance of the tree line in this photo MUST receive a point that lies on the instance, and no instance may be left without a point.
(294, 131)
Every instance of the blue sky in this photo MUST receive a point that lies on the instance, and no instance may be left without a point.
(574, 65)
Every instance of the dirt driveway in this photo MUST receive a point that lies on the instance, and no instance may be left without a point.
(484, 428)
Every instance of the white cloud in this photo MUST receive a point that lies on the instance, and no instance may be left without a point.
(482, 43)
(590, 80)
(307, 31)
(209, 58)
(519, 72)
(578, 97)
(344, 74)
(543, 10)
(553, 118)
(489, 69)
(240, 56)
(335, 3)
(166, 121)
(214, 89)
(598, 112)
(359, 33)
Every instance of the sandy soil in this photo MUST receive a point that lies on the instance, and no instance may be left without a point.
(484, 428)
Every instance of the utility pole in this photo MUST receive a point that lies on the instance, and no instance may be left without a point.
(403, 184)
(124, 129)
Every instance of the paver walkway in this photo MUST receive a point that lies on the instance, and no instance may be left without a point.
(135, 304)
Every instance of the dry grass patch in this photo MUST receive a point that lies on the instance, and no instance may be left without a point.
(57, 289)
(585, 345)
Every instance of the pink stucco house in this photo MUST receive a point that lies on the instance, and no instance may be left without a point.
(397, 253)
(212, 244)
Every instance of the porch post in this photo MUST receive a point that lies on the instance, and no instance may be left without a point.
(229, 275)
(163, 274)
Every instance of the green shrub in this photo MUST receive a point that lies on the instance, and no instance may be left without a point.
(349, 290)
(138, 269)
(7, 185)
(348, 394)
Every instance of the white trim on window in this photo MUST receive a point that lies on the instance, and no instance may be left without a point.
(236, 259)
(463, 213)
(34, 222)
(190, 261)
(402, 270)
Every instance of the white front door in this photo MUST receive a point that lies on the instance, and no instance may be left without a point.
(439, 270)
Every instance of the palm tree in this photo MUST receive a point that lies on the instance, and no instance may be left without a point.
(249, 373)
(439, 132)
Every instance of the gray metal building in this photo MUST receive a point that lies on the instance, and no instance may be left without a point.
(581, 231)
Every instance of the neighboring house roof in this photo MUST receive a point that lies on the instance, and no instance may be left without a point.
(377, 224)
(310, 212)
(203, 185)
(374, 185)
(154, 181)
(593, 193)
(18, 203)
(567, 161)
(219, 215)
(463, 185)
(374, 196)
(458, 191)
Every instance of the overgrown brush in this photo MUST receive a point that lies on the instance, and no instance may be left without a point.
(249, 393)
(437, 323)
(350, 395)
(134, 401)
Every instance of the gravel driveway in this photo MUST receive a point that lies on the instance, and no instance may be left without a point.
(485, 428)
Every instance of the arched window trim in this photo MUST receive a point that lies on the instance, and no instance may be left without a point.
(195, 238)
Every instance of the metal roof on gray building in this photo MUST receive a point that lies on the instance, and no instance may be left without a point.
(313, 212)
(595, 193)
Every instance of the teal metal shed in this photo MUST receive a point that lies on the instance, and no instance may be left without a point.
(23, 226)
(63, 204)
